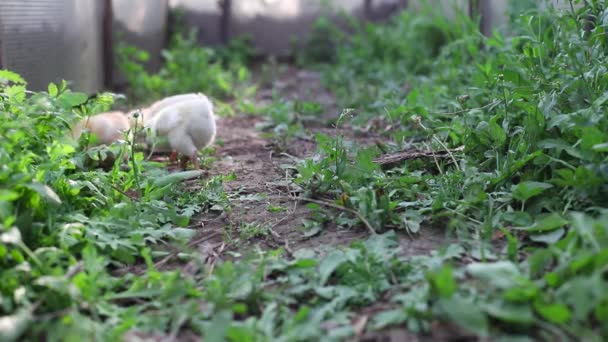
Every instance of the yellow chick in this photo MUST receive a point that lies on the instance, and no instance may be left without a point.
(107, 128)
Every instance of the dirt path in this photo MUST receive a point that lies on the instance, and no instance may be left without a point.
(262, 195)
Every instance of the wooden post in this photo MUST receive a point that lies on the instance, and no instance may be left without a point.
(476, 8)
(170, 24)
(226, 6)
(1, 30)
(107, 44)
(367, 10)
(485, 22)
(473, 7)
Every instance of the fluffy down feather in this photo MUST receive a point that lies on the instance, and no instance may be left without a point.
(146, 114)
(107, 127)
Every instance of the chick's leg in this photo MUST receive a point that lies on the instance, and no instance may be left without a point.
(195, 162)
(182, 143)
(172, 157)
(183, 163)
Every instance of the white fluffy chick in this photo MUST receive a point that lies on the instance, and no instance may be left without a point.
(147, 113)
(187, 125)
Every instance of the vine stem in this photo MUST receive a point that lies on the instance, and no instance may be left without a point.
(335, 206)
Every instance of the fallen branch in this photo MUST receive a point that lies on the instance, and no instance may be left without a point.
(393, 159)
(274, 234)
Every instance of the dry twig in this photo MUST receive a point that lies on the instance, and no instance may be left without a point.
(287, 248)
(393, 159)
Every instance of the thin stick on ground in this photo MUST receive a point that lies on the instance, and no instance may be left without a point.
(287, 248)
(393, 159)
(173, 254)
(336, 206)
(465, 110)
(271, 229)
(448, 151)
(434, 158)
(121, 192)
(274, 234)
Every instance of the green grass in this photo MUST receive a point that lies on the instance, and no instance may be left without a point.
(530, 110)
(526, 199)
(187, 67)
(64, 226)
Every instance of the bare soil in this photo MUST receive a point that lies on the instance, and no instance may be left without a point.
(261, 183)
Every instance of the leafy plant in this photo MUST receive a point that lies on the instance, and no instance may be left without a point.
(64, 227)
(188, 67)
(529, 109)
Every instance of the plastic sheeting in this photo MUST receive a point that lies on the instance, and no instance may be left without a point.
(49, 40)
(272, 24)
(141, 23)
